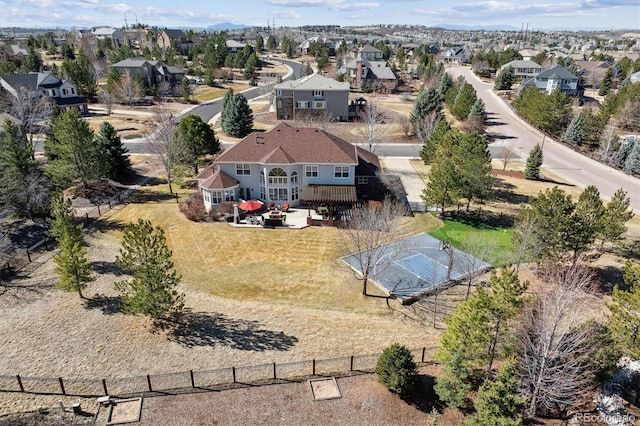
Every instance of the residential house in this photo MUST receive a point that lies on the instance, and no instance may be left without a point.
(409, 48)
(370, 71)
(455, 54)
(298, 166)
(304, 47)
(115, 35)
(178, 38)
(528, 54)
(235, 47)
(62, 93)
(555, 78)
(591, 72)
(15, 52)
(524, 68)
(151, 72)
(312, 96)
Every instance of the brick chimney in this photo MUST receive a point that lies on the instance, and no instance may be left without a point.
(358, 71)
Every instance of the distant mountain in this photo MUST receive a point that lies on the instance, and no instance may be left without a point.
(477, 27)
(224, 26)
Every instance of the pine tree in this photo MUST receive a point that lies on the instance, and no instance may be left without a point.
(534, 162)
(632, 163)
(145, 255)
(478, 109)
(616, 215)
(505, 79)
(497, 402)
(607, 82)
(453, 386)
(72, 265)
(196, 138)
(576, 131)
(624, 320)
(62, 222)
(396, 369)
(464, 101)
(226, 106)
(444, 84)
(476, 181)
(239, 119)
(116, 155)
(428, 151)
(185, 89)
(588, 220)
(443, 188)
(427, 101)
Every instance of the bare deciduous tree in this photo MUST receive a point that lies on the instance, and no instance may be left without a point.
(555, 347)
(127, 88)
(629, 115)
(161, 141)
(32, 110)
(424, 126)
(108, 100)
(163, 88)
(368, 234)
(507, 155)
(609, 141)
(371, 131)
(481, 251)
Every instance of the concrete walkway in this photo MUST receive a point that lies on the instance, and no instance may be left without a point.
(413, 184)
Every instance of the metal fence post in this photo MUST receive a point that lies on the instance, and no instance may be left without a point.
(274, 371)
(193, 382)
(313, 367)
(61, 385)
(351, 363)
(99, 213)
(104, 386)
(423, 350)
(149, 383)
(19, 383)
(28, 255)
(233, 372)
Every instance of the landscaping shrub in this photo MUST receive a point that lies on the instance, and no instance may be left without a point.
(194, 209)
(397, 370)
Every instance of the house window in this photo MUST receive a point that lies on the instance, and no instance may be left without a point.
(263, 193)
(319, 104)
(279, 103)
(294, 178)
(278, 176)
(262, 179)
(243, 169)
(216, 197)
(311, 171)
(278, 194)
(302, 104)
(341, 172)
(363, 180)
(278, 92)
(294, 193)
(318, 93)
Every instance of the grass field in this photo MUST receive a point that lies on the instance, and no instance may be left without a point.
(206, 93)
(463, 233)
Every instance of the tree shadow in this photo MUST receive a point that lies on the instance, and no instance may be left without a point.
(424, 397)
(206, 329)
(12, 285)
(109, 305)
(101, 225)
(609, 276)
(102, 267)
(629, 249)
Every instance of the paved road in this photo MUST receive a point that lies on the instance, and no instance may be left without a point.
(520, 137)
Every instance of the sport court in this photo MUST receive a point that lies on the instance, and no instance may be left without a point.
(416, 265)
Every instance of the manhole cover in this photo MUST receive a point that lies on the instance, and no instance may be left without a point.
(326, 388)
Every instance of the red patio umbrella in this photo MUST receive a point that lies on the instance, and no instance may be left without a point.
(250, 205)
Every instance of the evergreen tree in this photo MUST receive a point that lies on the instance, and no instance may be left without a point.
(271, 42)
(575, 133)
(115, 153)
(62, 221)
(588, 220)
(196, 138)
(443, 188)
(79, 71)
(476, 181)
(624, 320)
(453, 386)
(607, 83)
(397, 370)
(145, 255)
(534, 162)
(505, 79)
(497, 402)
(72, 265)
(478, 109)
(427, 101)
(33, 61)
(464, 101)
(632, 162)
(428, 151)
(444, 84)
(616, 215)
(113, 80)
(226, 105)
(185, 88)
(239, 119)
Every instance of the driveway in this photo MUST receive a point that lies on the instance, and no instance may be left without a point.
(413, 184)
(513, 132)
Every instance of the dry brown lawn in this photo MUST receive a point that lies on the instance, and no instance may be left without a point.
(205, 93)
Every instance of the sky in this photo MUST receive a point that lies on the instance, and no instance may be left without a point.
(539, 15)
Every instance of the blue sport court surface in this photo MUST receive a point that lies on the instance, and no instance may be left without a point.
(413, 266)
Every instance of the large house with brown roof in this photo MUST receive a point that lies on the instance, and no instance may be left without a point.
(289, 165)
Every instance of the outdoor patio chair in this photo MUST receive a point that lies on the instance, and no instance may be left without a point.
(272, 206)
(285, 207)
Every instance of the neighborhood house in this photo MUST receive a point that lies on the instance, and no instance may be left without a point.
(313, 96)
(290, 165)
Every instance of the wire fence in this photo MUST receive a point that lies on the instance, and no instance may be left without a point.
(203, 379)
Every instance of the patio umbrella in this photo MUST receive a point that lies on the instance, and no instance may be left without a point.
(250, 205)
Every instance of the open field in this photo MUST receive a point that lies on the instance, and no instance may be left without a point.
(205, 93)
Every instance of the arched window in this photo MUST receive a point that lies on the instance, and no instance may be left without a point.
(277, 176)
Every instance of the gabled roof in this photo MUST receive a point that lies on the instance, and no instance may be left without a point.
(522, 64)
(369, 49)
(555, 73)
(313, 82)
(235, 44)
(175, 34)
(376, 69)
(32, 81)
(134, 63)
(214, 178)
(285, 144)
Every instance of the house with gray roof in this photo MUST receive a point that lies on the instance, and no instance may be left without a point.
(556, 78)
(177, 38)
(314, 97)
(62, 93)
(151, 72)
(367, 73)
(235, 47)
(288, 165)
(523, 68)
(455, 54)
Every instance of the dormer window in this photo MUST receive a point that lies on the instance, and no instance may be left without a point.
(318, 93)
